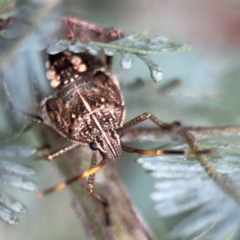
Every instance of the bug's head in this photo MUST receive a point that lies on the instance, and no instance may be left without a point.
(109, 143)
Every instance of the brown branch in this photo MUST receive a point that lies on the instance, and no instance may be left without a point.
(234, 129)
(156, 134)
(149, 134)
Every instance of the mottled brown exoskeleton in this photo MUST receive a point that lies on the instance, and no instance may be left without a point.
(87, 108)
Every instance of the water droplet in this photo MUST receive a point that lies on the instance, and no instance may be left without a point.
(126, 60)
(109, 51)
(156, 74)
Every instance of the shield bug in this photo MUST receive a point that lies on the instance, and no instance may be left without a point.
(87, 108)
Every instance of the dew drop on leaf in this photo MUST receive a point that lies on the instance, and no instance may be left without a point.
(126, 60)
(109, 51)
(156, 74)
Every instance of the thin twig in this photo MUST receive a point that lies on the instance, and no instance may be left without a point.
(235, 129)
(156, 134)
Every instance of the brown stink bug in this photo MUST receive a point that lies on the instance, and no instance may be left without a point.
(87, 108)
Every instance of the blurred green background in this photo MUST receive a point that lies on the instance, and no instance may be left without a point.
(207, 95)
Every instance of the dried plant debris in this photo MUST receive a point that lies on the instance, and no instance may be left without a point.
(14, 175)
(185, 188)
(138, 44)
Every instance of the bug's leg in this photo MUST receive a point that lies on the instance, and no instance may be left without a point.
(144, 117)
(80, 176)
(90, 188)
(59, 152)
(17, 112)
(166, 151)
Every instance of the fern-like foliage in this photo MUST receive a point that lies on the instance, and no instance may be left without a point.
(184, 187)
(14, 175)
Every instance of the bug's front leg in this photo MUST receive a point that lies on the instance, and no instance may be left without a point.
(90, 189)
(59, 152)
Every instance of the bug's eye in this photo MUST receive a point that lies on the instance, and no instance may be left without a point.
(120, 132)
(93, 146)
